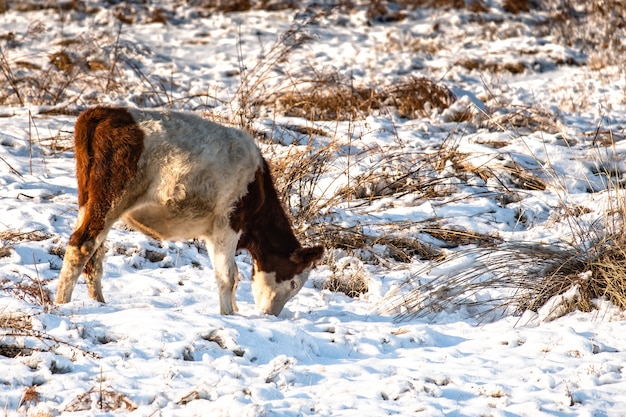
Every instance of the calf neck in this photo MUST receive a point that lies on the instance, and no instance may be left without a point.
(172, 176)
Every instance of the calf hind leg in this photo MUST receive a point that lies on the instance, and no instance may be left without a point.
(84, 252)
(93, 274)
(75, 259)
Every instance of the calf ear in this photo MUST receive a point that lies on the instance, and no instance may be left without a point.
(306, 257)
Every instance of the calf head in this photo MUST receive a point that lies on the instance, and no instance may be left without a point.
(276, 282)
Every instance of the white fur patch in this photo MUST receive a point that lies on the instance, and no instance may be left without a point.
(199, 169)
(269, 296)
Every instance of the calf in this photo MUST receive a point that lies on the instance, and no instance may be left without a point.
(174, 175)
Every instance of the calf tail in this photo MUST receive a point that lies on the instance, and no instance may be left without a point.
(84, 130)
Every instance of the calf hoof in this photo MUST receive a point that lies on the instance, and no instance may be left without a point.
(226, 312)
(62, 299)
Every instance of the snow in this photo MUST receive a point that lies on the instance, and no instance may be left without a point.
(159, 346)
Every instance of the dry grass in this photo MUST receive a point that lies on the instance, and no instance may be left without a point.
(77, 65)
(18, 335)
(21, 236)
(385, 11)
(332, 97)
(390, 173)
(376, 10)
(419, 97)
(81, 70)
(103, 399)
(490, 268)
(19, 338)
(13, 322)
(517, 6)
(559, 278)
(30, 397)
(349, 276)
(521, 120)
(329, 100)
(28, 289)
(482, 65)
(597, 26)
(297, 175)
(253, 90)
(229, 6)
(16, 329)
(398, 246)
(553, 279)
(398, 172)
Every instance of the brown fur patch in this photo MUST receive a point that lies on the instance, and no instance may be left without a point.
(266, 229)
(108, 145)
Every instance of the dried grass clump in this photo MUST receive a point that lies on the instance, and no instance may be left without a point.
(19, 236)
(483, 269)
(16, 321)
(27, 289)
(32, 5)
(5, 251)
(599, 272)
(11, 350)
(517, 6)
(332, 97)
(224, 6)
(229, 6)
(597, 27)
(397, 172)
(553, 280)
(476, 6)
(10, 323)
(30, 398)
(78, 64)
(297, 176)
(354, 240)
(522, 120)
(454, 237)
(608, 278)
(380, 11)
(104, 399)
(349, 276)
(523, 178)
(418, 97)
(482, 65)
(62, 60)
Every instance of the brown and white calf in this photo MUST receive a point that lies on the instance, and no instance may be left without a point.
(174, 175)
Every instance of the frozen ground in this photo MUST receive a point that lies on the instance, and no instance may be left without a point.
(159, 346)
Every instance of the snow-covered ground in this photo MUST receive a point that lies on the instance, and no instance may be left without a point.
(159, 347)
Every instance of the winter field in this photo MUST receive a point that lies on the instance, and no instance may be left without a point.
(462, 162)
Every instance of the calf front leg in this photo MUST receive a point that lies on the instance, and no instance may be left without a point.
(222, 248)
